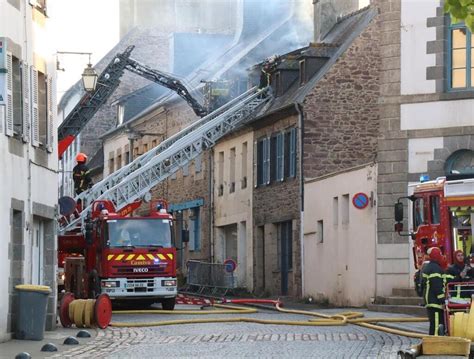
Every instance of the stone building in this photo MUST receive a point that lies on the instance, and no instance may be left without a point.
(28, 158)
(190, 191)
(426, 116)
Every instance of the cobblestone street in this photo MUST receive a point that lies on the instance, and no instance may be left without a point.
(238, 340)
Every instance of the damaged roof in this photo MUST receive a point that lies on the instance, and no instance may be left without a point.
(323, 55)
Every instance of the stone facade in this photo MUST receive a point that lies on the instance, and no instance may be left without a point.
(341, 112)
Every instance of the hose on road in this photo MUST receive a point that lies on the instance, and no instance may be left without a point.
(338, 319)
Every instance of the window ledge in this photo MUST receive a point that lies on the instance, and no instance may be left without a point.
(458, 94)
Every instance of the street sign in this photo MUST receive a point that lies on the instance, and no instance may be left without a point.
(230, 265)
(360, 200)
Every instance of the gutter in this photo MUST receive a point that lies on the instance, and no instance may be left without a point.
(299, 109)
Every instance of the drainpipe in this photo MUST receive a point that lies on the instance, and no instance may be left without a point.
(211, 206)
(299, 109)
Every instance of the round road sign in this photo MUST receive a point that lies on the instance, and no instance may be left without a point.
(230, 265)
(360, 200)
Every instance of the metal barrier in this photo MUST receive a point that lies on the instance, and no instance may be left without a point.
(209, 278)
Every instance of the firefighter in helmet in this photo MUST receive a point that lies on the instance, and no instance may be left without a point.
(81, 174)
(433, 283)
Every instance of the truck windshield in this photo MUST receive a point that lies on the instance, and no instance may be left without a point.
(139, 233)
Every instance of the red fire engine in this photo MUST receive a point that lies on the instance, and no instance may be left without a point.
(441, 214)
(128, 258)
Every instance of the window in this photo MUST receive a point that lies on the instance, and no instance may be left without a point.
(154, 143)
(198, 164)
(194, 229)
(434, 202)
(244, 165)
(220, 173)
(290, 153)
(345, 209)
(263, 161)
(320, 231)
(127, 157)
(119, 161)
(460, 62)
(302, 72)
(418, 212)
(145, 147)
(17, 93)
(42, 109)
(232, 170)
(278, 156)
(111, 165)
(335, 211)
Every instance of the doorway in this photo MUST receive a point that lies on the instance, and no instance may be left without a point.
(285, 246)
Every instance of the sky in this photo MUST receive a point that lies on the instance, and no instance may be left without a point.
(81, 26)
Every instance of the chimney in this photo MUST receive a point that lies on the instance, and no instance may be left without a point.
(326, 13)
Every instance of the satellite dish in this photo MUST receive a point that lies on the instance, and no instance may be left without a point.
(67, 205)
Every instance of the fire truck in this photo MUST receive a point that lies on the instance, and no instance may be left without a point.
(126, 257)
(441, 214)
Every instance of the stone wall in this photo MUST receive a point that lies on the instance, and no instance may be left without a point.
(341, 112)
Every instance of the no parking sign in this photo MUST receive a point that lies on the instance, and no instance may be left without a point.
(230, 265)
(360, 200)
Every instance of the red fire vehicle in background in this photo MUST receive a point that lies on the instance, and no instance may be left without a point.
(441, 214)
(126, 257)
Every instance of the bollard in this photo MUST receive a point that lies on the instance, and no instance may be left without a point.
(85, 313)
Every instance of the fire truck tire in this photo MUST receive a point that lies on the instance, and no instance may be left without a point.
(94, 284)
(79, 310)
(168, 303)
(89, 313)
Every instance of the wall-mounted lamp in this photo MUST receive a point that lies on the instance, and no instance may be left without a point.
(89, 75)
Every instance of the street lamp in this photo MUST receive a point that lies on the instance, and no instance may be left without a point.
(89, 78)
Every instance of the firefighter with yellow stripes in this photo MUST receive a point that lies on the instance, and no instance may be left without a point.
(433, 283)
(81, 174)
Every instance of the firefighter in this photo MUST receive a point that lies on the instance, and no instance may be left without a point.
(460, 271)
(433, 282)
(81, 174)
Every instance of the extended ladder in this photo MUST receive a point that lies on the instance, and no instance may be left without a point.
(135, 180)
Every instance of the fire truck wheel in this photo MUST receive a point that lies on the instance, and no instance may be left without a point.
(94, 284)
(168, 303)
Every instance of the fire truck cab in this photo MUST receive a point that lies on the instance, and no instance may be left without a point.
(441, 214)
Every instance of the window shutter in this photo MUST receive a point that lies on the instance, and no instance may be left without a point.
(34, 108)
(9, 117)
(280, 157)
(50, 104)
(256, 166)
(26, 102)
(293, 152)
(267, 159)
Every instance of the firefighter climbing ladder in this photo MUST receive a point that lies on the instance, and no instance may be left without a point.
(135, 180)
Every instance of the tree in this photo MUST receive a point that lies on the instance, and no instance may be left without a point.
(461, 10)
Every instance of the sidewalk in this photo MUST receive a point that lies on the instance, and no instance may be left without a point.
(13, 347)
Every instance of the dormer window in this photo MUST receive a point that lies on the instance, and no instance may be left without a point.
(302, 72)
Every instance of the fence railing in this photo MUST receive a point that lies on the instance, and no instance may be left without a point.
(209, 278)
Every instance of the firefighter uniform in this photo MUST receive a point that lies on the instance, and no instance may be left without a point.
(81, 174)
(433, 282)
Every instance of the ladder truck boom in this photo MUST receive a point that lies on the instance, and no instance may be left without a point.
(148, 170)
(107, 83)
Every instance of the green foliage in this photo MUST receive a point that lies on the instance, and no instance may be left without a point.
(461, 11)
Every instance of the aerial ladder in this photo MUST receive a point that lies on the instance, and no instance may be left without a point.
(135, 181)
(107, 83)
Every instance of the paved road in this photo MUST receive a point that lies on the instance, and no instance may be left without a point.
(217, 340)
